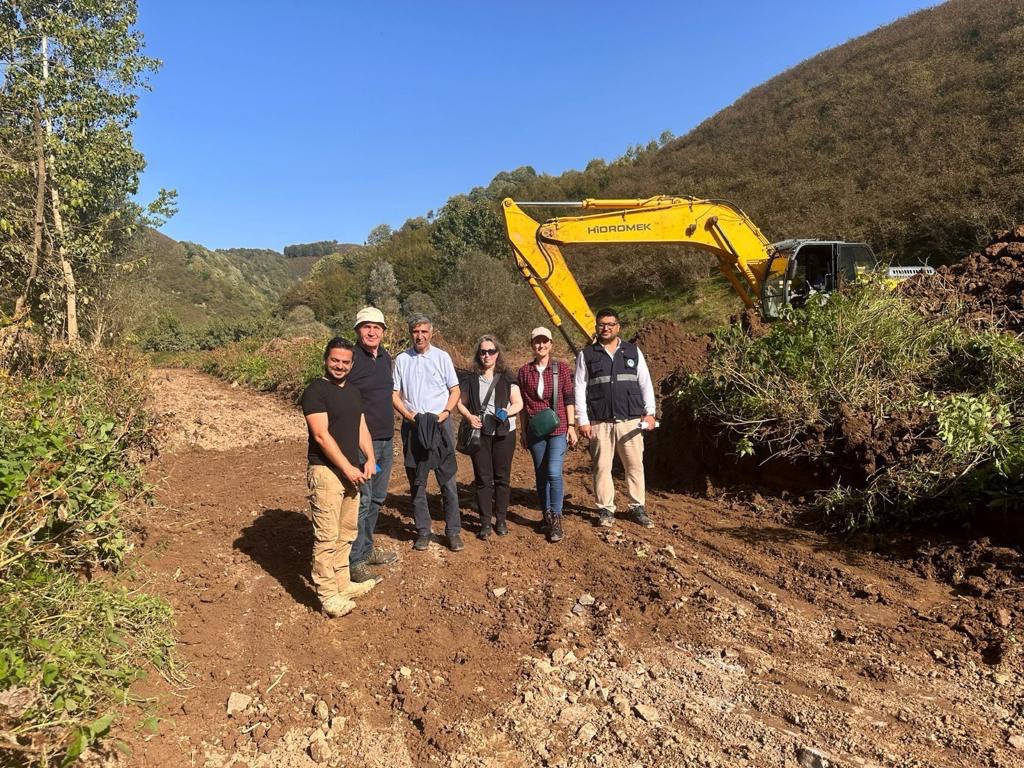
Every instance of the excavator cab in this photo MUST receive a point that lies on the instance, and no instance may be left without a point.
(806, 270)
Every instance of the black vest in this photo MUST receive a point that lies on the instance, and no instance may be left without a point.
(613, 392)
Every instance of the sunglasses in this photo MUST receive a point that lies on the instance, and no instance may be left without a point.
(488, 352)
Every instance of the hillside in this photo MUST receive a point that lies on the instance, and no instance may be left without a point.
(908, 137)
(194, 284)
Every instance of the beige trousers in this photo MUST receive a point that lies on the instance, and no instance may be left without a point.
(334, 507)
(625, 439)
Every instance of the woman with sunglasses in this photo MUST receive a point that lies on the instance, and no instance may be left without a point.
(490, 400)
(538, 384)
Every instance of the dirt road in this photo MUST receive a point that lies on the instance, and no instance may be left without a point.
(720, 638)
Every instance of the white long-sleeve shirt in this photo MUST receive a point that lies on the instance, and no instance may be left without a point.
(643, 378)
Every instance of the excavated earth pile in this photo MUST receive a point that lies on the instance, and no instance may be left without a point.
(985, 289)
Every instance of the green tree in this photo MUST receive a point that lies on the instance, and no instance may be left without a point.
(72, 72)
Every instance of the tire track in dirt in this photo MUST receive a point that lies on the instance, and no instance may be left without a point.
(716, 639)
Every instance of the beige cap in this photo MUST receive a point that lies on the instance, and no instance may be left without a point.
(540, 330)
(370, 315)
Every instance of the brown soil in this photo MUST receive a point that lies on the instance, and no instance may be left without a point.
(984, 289)
(719, 638)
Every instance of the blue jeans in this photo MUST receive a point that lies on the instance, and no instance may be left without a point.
(548, 455)
(371, 496)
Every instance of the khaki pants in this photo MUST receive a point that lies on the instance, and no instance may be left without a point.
(334, 507)
(625, 439)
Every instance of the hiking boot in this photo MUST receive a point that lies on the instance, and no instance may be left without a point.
(501, 528)
(356, 589)
(382, 557)
(555, 528)
(639, 516)
(455, 542)
(484, 534)
(422, 542)
(605, 518)
(336, 606)
(361, 572)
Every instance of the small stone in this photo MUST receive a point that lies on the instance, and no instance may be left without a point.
(669, 550)
(499, 591)
(586, 732)
(937, 654)
(810, 758)
(1002, 617)
(404, 671)
(557, 655)
(322, 711)
(586, 599)
(648, 713)
(620, 702)
(578, 610)
(319, 749)
(238, 703)
(1017, 741)
(569, 658)
(1000, 679)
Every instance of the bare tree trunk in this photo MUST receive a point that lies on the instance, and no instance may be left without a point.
(71, 298)
(38, 221)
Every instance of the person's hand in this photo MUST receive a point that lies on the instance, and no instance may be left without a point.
(476, 421)
(443, 416)
(354, 476)
(587, 431)
(648, 422)
(369, 469)
(572, 437)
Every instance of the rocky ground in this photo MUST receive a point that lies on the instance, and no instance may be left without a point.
(720, 638)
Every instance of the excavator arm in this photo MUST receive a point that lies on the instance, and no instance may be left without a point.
(743, 253)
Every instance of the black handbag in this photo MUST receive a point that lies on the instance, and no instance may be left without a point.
(543, 423)
(468, 440)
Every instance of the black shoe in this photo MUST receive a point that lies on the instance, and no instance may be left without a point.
(555, 529)
(639, 516)
(455, 542)
(545, 522)
(361, 572)
(501, 528)
(605, 518)
(382, 557)
(422, 542)
(484, 534)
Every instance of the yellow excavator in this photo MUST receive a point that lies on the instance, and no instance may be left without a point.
(765, 275)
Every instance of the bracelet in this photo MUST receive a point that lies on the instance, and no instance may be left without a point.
(447, 411)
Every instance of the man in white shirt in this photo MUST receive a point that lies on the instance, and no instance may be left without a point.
(426, 389)
(614, 403)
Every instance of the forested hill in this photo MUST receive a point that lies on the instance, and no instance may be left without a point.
(193, 285)
(909, 137)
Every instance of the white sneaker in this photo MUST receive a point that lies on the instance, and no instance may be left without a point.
(337, 606)
(357, 588)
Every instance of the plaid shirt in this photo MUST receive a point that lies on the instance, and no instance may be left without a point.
(528, 378)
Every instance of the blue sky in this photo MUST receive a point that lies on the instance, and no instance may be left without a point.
(284, 123)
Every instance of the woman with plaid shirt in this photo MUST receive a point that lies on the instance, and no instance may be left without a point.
(537, 383)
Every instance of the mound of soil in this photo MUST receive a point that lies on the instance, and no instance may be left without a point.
(670, 352)
(984, 289)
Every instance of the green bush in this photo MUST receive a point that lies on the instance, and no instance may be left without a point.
(281, 365)
(74, 431)
(940, 406)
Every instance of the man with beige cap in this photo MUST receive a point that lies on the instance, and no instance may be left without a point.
(371, 375)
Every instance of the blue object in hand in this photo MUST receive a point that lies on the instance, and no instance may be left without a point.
(501, 414)
(378, 467)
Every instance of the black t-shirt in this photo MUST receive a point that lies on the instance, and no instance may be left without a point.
(372, 377)
(344, 407)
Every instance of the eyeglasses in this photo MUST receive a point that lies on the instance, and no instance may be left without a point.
(607, 325)
(488, 352)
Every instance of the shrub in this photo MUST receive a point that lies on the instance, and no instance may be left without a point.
(901, 410)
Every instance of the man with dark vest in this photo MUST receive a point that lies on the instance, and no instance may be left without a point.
(614, 404)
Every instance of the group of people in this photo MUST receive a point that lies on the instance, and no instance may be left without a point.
(547, 405)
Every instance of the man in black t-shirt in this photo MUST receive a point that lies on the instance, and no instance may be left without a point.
(337, 434)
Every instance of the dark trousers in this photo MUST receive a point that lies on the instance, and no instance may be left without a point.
(492, 467)
(371, 497)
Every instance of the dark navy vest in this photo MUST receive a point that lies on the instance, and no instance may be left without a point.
(613, 392)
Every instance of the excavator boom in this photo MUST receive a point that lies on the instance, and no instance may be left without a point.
(743, 253)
